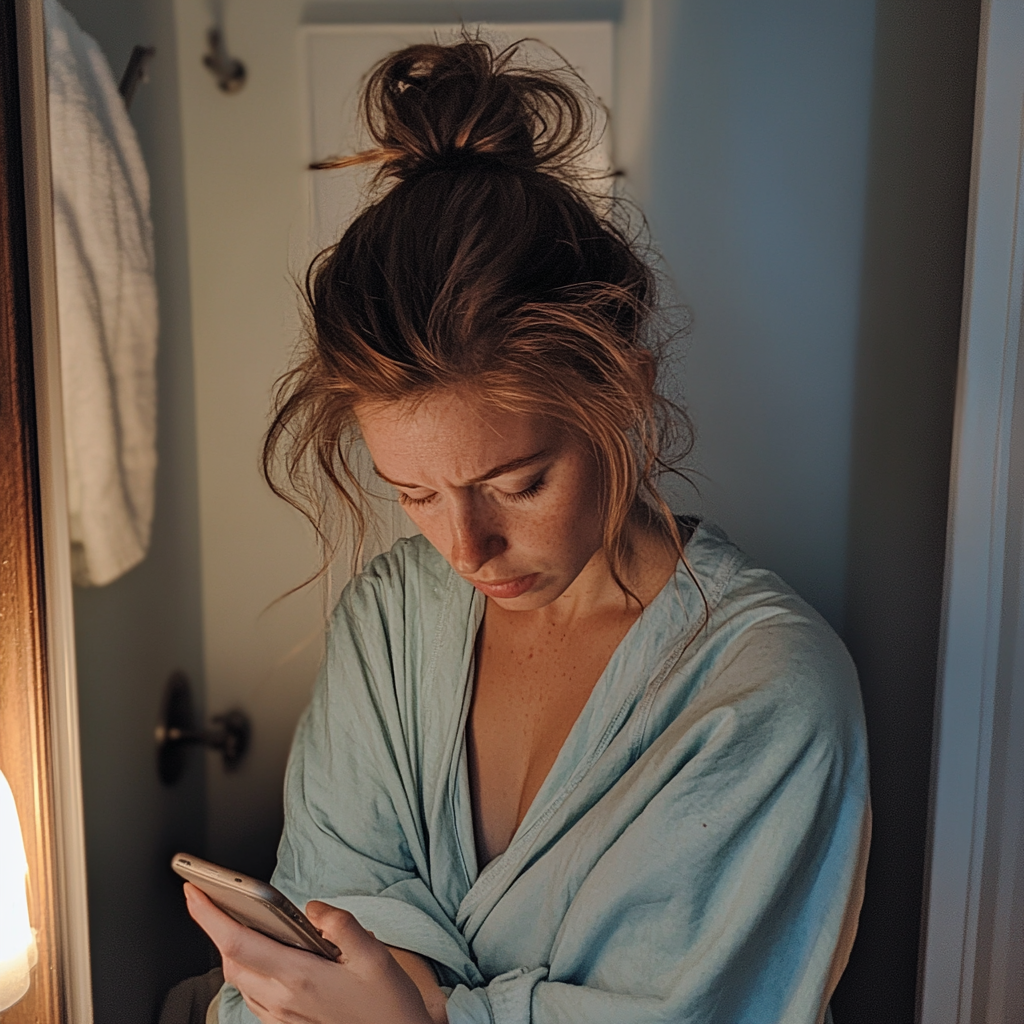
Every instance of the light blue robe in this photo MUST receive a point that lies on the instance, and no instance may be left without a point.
(696, 853)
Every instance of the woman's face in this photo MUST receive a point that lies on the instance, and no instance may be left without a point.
(509, 499)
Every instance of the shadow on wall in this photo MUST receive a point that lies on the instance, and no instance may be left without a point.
(915, 239)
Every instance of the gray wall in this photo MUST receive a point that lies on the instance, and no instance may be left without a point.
(757, 194)
(808, 189)
(132, 634)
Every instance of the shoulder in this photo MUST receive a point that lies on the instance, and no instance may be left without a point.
(765, 665)
(410, 561)
(384, 636)
(400, 604)
(411, 574)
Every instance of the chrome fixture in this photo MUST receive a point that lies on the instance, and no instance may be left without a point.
(229, 71)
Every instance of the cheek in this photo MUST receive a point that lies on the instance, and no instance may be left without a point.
(572, 522)
(582, 501)
(425, 523)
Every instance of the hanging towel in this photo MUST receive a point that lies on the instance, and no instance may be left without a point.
(107, 306)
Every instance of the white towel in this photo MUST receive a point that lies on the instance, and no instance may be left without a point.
(107, 306)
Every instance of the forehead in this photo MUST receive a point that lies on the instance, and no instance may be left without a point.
(449, 437)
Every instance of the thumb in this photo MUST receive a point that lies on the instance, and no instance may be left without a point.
(343, 930)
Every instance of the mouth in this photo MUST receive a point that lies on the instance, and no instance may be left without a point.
(506, 589)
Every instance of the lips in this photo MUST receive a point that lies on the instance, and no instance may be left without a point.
(507, 589)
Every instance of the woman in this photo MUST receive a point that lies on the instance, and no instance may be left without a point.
(570, 758)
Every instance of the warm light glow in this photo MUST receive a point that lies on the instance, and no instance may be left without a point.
(17, 941)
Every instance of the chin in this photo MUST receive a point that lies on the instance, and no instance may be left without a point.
(525, 603)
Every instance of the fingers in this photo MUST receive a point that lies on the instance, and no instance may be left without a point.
(259, 1011)
(240, 945)
(281, 984)
(271, 1000)
(223, 929)
(203, 910)
(344, 931)
(266, 972)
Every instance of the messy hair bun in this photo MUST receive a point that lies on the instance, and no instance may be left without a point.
(431, 106)
(482, 262)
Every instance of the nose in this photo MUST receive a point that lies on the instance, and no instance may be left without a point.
(475, 540)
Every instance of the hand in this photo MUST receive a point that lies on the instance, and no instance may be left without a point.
(282, 985)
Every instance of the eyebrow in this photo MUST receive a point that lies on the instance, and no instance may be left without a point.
(506, 467)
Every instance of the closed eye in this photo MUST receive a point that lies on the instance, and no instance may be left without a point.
(527, 493)
(524, 495)
(406, 499)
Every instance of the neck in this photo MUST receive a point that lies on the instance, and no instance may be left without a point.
(596, 593)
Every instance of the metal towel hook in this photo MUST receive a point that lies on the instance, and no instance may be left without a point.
(229, 71)
(136, 72)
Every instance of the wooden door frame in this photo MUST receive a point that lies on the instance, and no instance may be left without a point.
(25, 751)
(38, 694)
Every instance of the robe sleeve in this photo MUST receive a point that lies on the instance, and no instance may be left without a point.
(354, 833)
(732, 891)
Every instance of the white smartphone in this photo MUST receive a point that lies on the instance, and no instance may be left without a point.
(257, 905)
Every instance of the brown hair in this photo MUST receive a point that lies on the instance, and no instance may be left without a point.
(486, 260)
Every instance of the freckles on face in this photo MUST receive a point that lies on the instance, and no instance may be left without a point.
(509, 499)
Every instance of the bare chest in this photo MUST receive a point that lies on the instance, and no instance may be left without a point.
(529, 689)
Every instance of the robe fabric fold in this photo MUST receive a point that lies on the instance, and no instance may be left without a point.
(696, 853)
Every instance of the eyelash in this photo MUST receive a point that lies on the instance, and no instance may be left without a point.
(528, 492)
(404, 499)
(524, 495)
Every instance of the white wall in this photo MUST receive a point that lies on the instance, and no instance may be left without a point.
(757, 199)
(244, 184)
